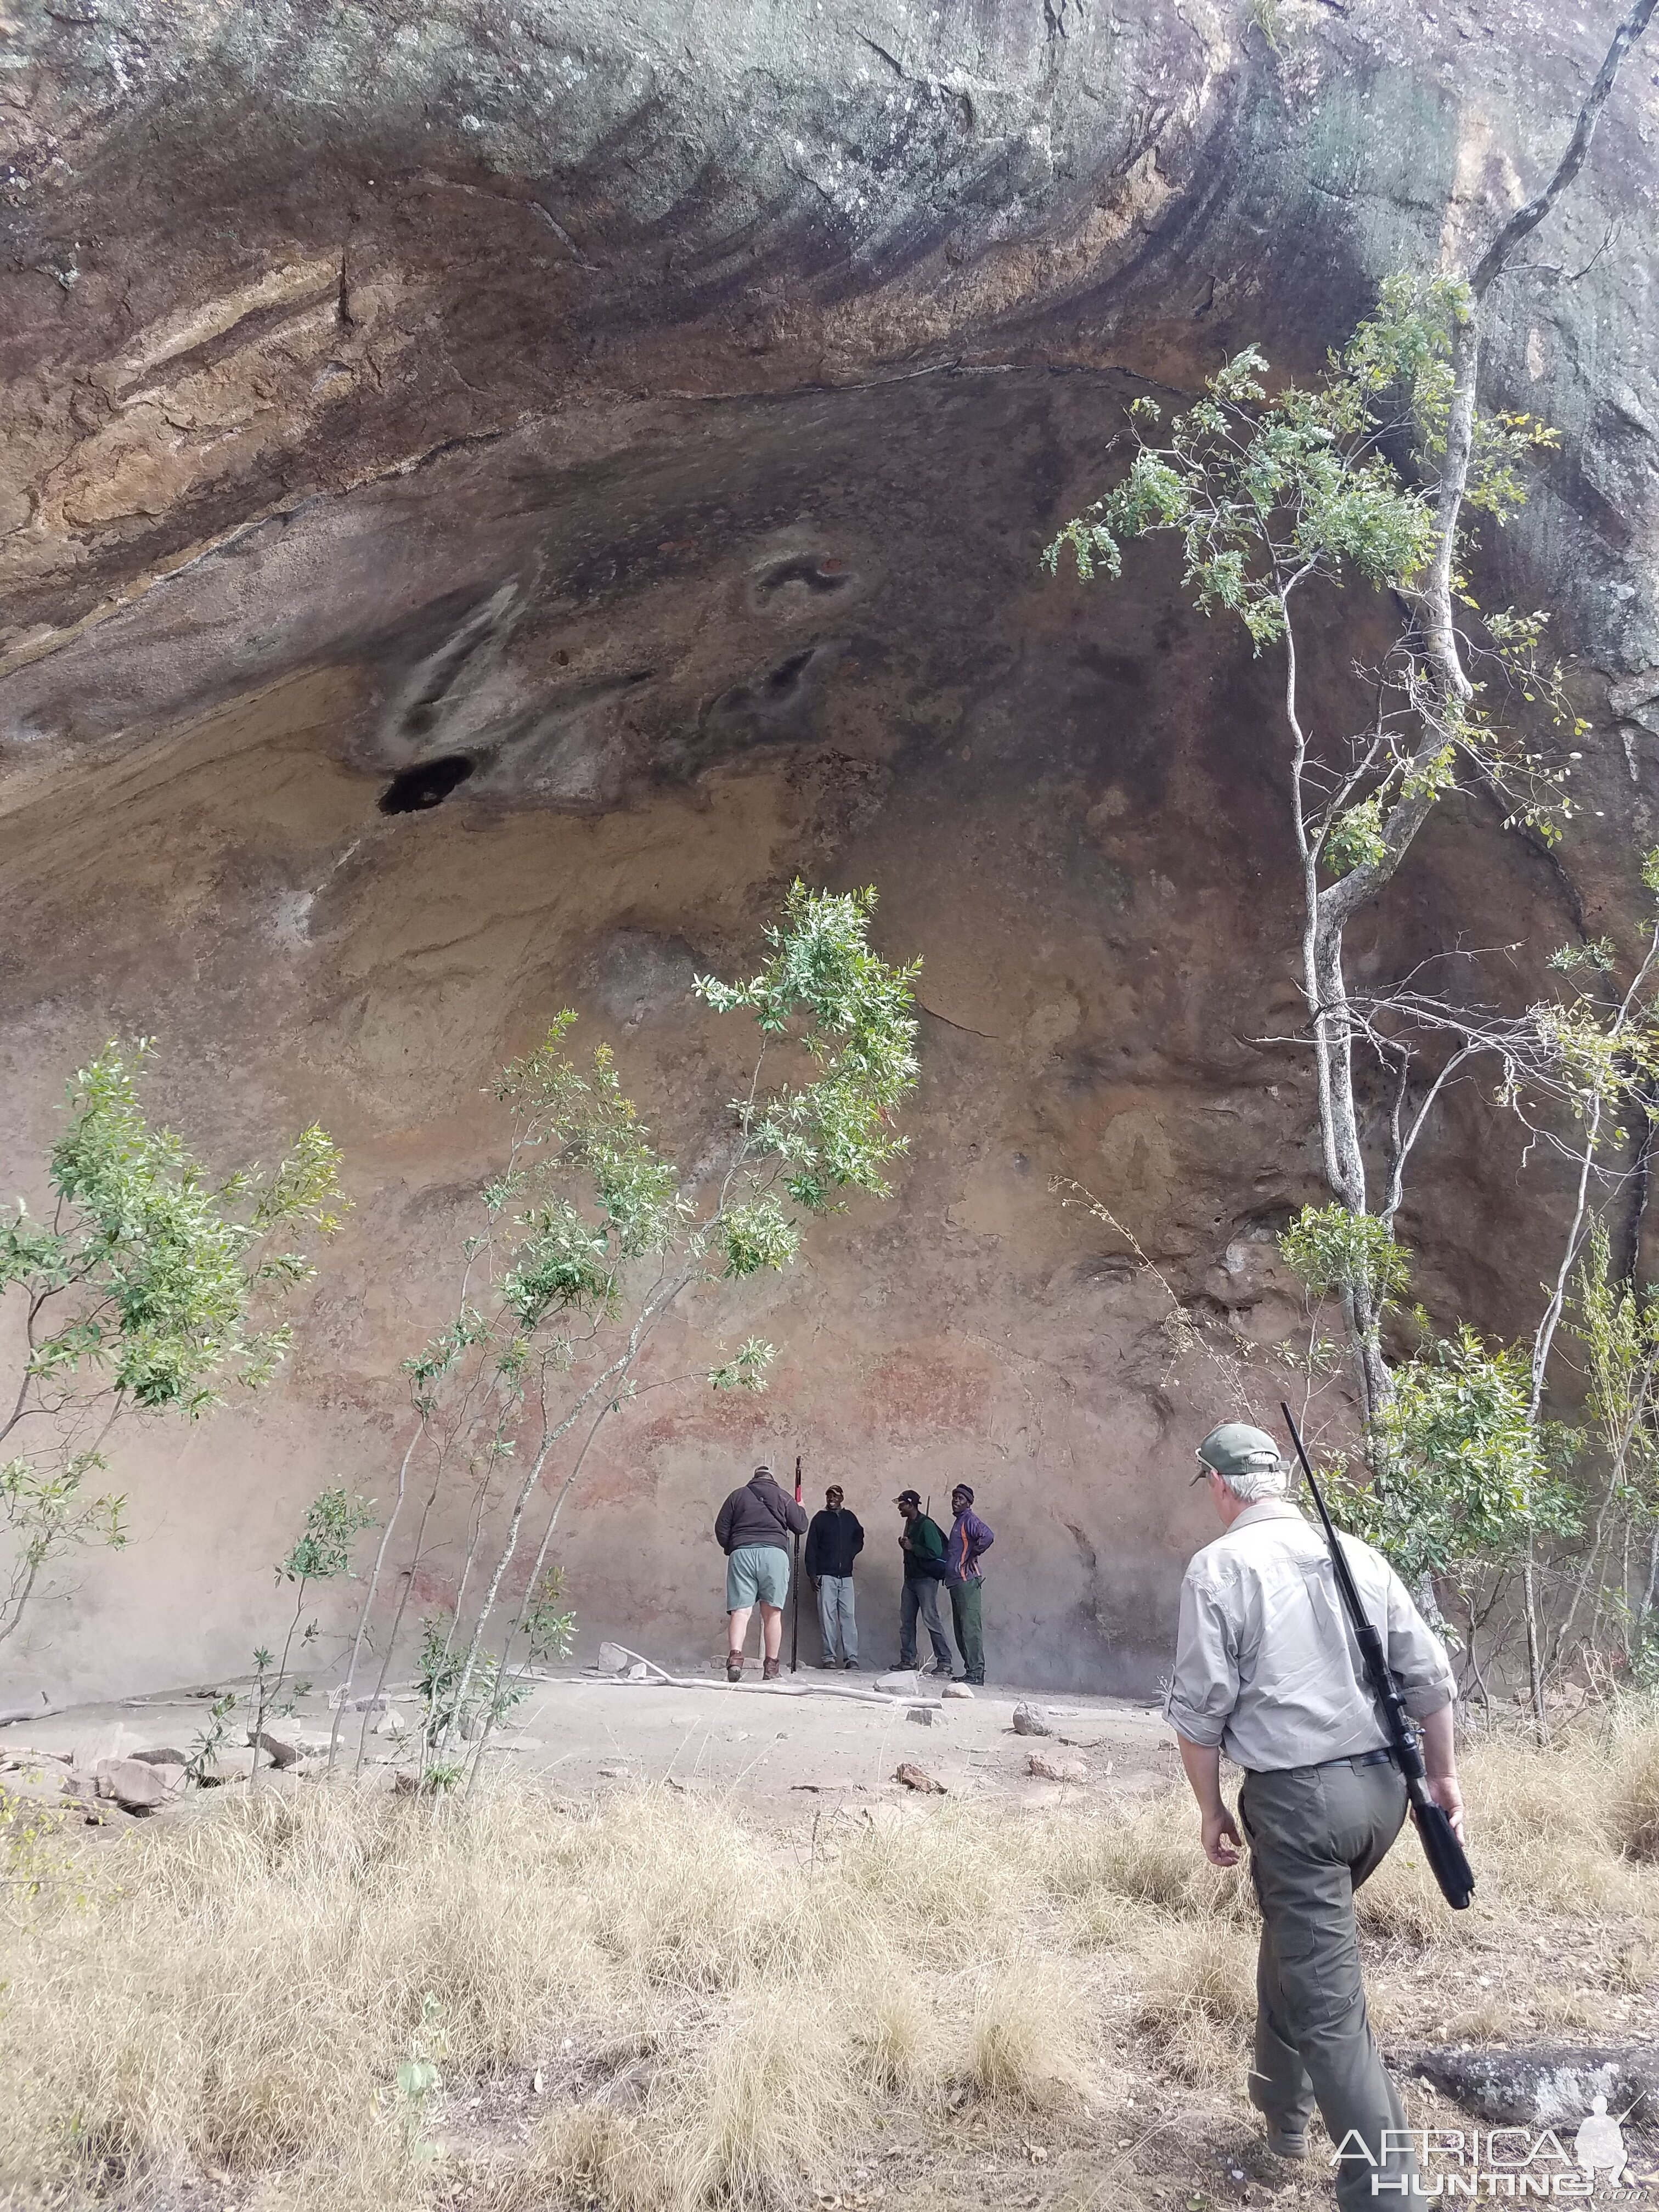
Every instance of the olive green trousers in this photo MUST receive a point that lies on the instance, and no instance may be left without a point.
(1315, 1833)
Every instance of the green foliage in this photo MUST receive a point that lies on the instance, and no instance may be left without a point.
(1330, 1249)
(44, 1507)
(41, 1876)
(1267, 491)
(759, 1235)
(150, 1288)
(1460, 1478)
(206, 1744)
(162, 1265)
(548, 1625)
(458, 1701)
(415, 2082)
(850, 1013)
(1355, 837)
(321, 1552)
(747, 1370)
(334, 1519)
(1263, 492)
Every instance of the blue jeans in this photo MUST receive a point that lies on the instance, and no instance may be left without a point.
(835, 1623)
(921, 1595)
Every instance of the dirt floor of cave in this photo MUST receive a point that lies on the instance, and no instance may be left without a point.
(774, 1752)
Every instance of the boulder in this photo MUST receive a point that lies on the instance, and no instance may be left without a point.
(230, 1763)
(134, 1784)
(955, 1690)
(1056, 1770)
(1027, 1721)
(904, 1683)
(1543, 2086)
(284, 1745)
(160, 1755)
(916, 1777)
(90, 1751)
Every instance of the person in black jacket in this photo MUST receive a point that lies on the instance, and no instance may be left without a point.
(833, 1542)
(753, 1528)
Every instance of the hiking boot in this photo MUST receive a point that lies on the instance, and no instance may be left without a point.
(769, 1670)
(941, 1667)
(851, 1665)
(734, 1666)
(1285, 2146)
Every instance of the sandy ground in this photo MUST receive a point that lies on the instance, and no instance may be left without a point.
(814, 1741)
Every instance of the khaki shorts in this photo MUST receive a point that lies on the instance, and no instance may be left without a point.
(756, 1570)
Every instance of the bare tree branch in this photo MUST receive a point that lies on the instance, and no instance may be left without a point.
(1527, 219)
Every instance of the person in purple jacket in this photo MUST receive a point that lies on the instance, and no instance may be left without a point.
(969, 1541)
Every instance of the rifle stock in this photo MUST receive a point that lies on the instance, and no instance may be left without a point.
(1447, 1862)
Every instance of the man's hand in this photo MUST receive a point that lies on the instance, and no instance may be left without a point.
(1222, 1841)
(1440, 1757)
(1443, 1788)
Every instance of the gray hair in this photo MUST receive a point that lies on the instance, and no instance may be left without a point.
(1252, 1488)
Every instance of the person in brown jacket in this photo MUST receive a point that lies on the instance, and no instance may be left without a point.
(753, 1528)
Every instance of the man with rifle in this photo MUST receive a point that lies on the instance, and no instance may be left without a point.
(1270, 1670)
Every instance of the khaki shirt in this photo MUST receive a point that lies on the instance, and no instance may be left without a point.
(1266, 1663)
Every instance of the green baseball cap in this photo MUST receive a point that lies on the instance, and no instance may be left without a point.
(1236, 1448)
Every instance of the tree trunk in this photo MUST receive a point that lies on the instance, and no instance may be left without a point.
(1345, 1160)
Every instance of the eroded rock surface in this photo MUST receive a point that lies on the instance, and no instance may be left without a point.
(489, 493)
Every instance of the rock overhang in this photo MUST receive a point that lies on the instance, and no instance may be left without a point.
(456, 569)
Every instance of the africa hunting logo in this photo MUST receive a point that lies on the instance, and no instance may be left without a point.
(1494, 2162)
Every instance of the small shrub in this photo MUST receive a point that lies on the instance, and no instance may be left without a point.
(1025, 2045)
(1198, 1996)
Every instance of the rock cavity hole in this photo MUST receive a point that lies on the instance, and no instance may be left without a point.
(429, 784)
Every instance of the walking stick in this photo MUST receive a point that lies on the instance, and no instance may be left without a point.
(795, 1633)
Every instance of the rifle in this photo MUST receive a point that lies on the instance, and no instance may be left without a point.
(1445, 1854)
(794, 1631)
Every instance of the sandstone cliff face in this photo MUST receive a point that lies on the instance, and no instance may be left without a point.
(654, 415)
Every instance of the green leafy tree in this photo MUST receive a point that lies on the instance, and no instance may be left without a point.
(321, 1552)
(150, 1287)
(589, 1239)
(1461, 1481)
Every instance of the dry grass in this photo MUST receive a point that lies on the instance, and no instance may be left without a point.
(715, 2019)
(1635, 1807)
(1028, 2039)
(1198, 1995)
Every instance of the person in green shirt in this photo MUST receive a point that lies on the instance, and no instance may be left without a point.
(923, 1546)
